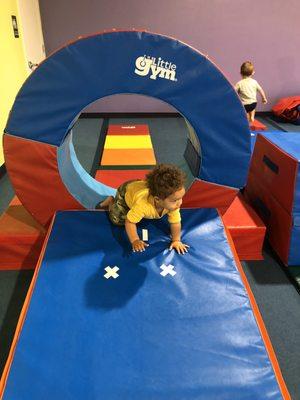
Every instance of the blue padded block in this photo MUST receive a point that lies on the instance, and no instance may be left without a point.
(294, 251)
(140, 336)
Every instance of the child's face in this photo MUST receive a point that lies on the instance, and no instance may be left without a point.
(174, 201)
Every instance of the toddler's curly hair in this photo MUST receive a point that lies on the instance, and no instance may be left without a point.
(164, 180)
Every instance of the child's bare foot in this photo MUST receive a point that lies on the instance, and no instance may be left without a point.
(104, 205)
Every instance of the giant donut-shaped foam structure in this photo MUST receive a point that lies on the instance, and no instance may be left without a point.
(110, 63)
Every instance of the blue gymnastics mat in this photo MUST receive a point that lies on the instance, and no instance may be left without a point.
(148, 334)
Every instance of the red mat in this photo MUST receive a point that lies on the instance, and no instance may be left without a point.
(257, 126)
(128, 130)
(115, 178)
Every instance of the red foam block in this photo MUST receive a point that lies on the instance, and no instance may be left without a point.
(208, 195)
(275, 170)
(37, 184)
(246, 229)
(21, 238)
(278, 221)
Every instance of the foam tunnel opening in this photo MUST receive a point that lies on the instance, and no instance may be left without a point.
(173, 140)
(86, 190)
(49, 102)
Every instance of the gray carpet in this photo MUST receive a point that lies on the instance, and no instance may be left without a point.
(279, 304)
(86, 134)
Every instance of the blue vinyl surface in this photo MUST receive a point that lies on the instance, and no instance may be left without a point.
(288, 141)
(294, 251)
(141, 336)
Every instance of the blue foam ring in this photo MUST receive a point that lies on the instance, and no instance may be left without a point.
(106, 64)
(86, 190)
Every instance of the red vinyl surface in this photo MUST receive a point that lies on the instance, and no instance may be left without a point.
(129, 129)
(277, 219)
(21, 238)
(257, 126)
(38, 183)
(203, 194)
(281, 181)
(246, 229)
(115, 178)
(287, 108)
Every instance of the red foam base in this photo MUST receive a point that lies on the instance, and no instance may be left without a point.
(246, 229)
(278, 221)
(21, 238)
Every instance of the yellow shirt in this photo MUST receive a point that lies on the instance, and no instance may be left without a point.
(141, 204)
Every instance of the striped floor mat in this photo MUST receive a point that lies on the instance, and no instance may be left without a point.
(128, 154)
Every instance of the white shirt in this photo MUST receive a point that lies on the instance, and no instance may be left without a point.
(247, 90)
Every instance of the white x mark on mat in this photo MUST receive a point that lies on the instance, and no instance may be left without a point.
(167, 269)
(111, 272)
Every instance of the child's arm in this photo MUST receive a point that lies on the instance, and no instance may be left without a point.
(262, 93)
(176, 239)
(136, 242)
(237, 87)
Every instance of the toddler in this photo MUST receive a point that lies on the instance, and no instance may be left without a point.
(159, 194)
(247, 89)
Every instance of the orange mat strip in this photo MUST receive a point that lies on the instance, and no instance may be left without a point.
(128, 157)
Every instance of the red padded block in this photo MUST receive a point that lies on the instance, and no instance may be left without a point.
(257, 126)
(208, 195)
(277, 219)
(37, 184)
(21, 238)
(115, 178)
(246, 229)
(129, 129)
(275, 170)
(285, 105)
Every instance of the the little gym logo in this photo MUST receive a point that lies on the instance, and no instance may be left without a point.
(146, 65)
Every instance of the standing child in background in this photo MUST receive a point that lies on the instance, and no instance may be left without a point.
(247, 89)
(159, 194)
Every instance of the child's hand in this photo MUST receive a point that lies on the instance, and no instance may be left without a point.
(139, 245)
(264, 101)
(180, 247)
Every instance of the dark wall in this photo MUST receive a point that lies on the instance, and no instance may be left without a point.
(228, 31)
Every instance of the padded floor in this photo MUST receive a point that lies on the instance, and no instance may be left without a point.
(128, 157)
(115, 178)
(142, 335)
